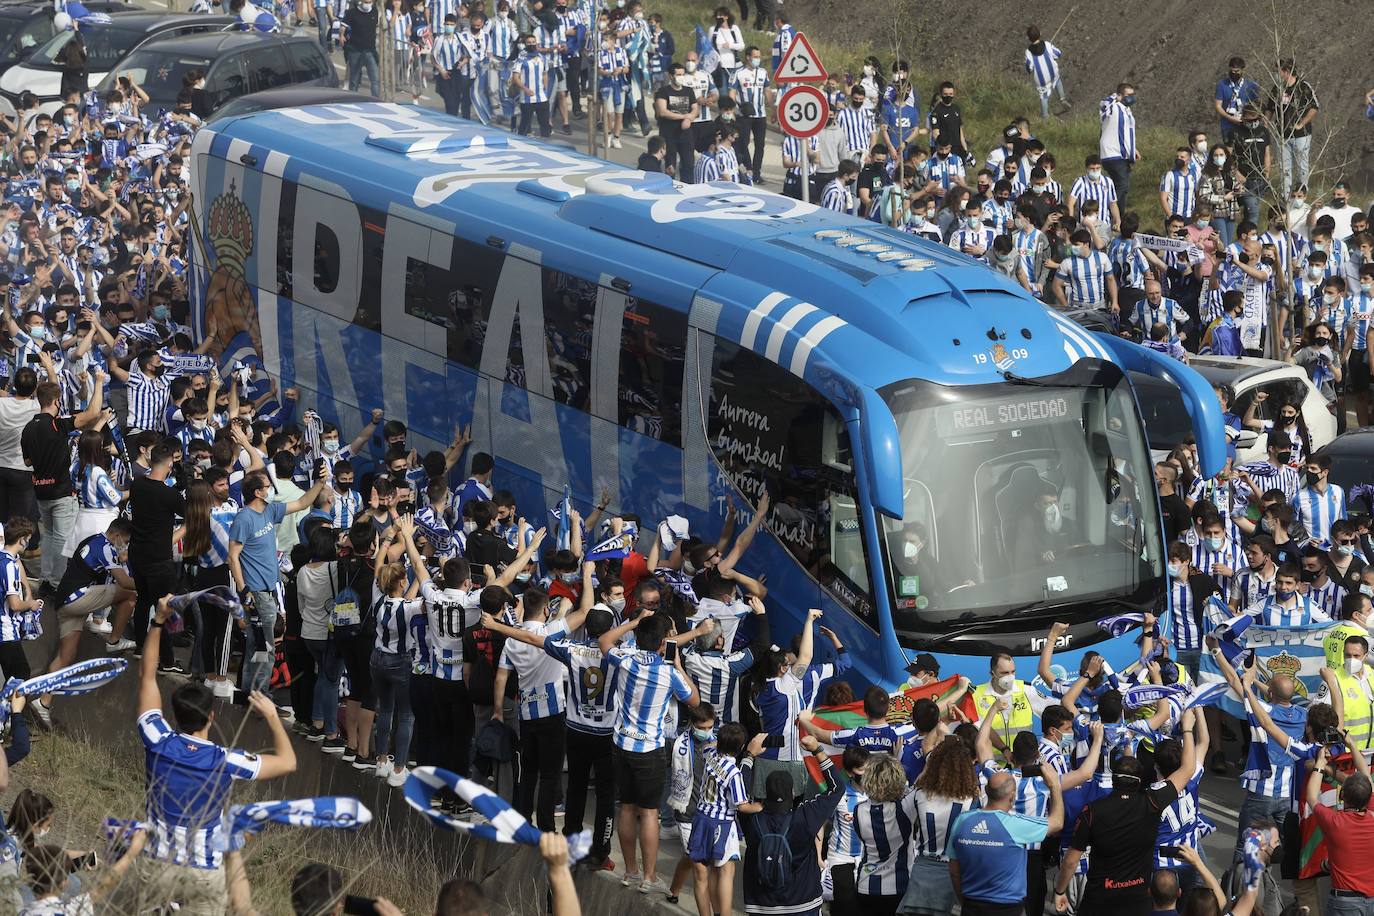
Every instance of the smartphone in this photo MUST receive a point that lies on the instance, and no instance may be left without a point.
(669, 651)
(240, 697)
(88, 861)
(774, 741)
(32, 358)
(1171, 852)
(359, 906)
(405, 508)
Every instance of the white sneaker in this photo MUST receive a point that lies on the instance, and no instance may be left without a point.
(122, 645)
(396, 780)
(42, 713)
(99, 625)
(384, 766)
(286, 714)
(616, 144)
(223, 689)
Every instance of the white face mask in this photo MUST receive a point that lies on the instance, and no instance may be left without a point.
(469, 527)
(910, 549)
(1353, 666)
(1003, 682)
(1053, 519)
(616, 604)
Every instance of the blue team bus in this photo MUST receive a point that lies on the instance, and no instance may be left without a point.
(952, 465)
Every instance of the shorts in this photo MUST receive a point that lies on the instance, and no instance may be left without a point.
(83, 602)
(640, 776)
(713, 842)
(560, 81)
(1357, 371)
(684, 831)
(357, 659)
(614, 95)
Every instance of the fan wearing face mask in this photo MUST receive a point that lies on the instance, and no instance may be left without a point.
(1351, 691)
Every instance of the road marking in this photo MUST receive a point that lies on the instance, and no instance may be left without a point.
(1214, 808)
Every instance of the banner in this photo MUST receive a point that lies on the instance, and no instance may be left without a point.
(1162, 242)
(1295, 651)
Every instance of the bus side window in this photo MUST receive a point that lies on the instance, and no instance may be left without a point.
(768, 428)
(651, 366)
(569, 308)
(472, 274)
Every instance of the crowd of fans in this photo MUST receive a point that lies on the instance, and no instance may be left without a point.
(397, 613)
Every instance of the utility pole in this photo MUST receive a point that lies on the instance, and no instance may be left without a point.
(386, 57)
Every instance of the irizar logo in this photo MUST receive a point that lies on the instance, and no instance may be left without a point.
(980, 829)
(1062, 642)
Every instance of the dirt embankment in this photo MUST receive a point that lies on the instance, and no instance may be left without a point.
(1174, 51)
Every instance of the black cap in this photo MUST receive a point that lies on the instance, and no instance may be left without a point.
(777, 791)
(924, 662)
(1011, 132)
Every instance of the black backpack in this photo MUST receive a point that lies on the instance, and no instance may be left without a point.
(775, 859)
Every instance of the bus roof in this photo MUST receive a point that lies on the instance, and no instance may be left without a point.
(923, 310)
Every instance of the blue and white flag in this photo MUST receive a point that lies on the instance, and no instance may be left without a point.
(1121, 624)
(678, 581)
(562, 520)
(1150, 694)
(615, 547)
(83, 677)
(221, 596)
(1295, 651)
(501, 823)
(332, 812)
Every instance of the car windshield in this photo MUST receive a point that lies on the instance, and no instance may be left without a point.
(158, 71)
(106, 46)
(1020, 494)
(1167, 423)
(10, 49)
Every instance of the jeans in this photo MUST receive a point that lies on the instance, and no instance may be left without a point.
(528, 112)
(1119, 171)
(454, 723)
(16, 495)
(1190, 659)
(391, 681)
(260, 651)
(324, 705)
(358, 61)
(1226, 228)
(448, 91)
(680, 155)
(1294, 162)
(465, 84)
(322, 22)
(1046, 91)
(152, 580)
(55, 518)
(542, 742)
(753, 134)
(1256, 807)
(1349, 906)
(1252, 198)
(590, 756)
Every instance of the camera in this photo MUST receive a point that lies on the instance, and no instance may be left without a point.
(1332, 735)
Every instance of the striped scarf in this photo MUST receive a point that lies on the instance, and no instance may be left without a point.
(500, 822)
(221, 596)
(83, 677)
(332, 812)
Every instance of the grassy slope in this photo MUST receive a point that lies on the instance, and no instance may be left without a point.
(989, 101)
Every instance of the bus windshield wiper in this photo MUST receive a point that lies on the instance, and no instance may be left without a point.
(992, 622)
(1015, 379)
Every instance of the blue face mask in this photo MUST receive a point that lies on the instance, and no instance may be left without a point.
(1283, 595)
(706, 735)
(161, 312)
(1214, 543)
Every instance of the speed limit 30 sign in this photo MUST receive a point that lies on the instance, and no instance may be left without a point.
(803, 111)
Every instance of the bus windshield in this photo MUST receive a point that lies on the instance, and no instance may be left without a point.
(1024, 494)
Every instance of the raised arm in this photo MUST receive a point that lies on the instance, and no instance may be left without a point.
(746, 536)
(808, 639)
(1057, 630)
(149, 697)
(521, 560)
(1180, 778)
(982, 745)
(282, 759)
(519, 634)
(1088, 767)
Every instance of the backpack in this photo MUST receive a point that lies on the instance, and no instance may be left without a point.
(775, 860)
(345, 614)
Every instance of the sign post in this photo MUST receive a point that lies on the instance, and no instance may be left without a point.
(803, 110)
(802, 113)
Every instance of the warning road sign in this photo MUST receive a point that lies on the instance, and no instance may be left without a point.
(800, 64)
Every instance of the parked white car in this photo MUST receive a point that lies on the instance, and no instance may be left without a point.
(1167, 422)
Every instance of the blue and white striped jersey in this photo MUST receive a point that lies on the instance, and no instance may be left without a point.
(1168, 313)
(1052, 755)
(447, 52)
(347, 505)
(1085, 279)
(935, 816)
(845, 847)
(474, 53)
(722, 786)
(876, 739)
(837, 197)
(541, 676)
(717, 676)
(12, 579)
(1317, 509)
(1180, 188)
(451, 612)
(1182, 621)
(1085, 188)
(975, 238)
(534, 75)
(393, 623)
(95, 489)
(1044, 67)
(147, 401)
(792, 150)
(1032, 794)
(945, 170)
(1362, 305)
(1327, 598)
(1128, 262)
(221, 521)
(1276, 613)
(1227, 554)
(728, 163)
(1180, 824)
(1273, 477)
(189, 780)
(886, 831)
(502, 33)
(707, 169)
(750, 85)
(1270, 770)
(1117, 140)
(858, 126)
(1251, 586)
(644, 687)
(591, 685)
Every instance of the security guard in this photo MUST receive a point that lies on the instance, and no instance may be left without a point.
(1355, 620)
(1352, 693)
(1026, 704)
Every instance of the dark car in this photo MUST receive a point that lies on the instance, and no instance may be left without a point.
(26, 24)
(107, 45)
(234, 63)
(1352, 464)
(285, 97)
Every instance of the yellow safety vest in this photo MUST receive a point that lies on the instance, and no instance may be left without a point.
(1333, 642)
(1359, 710)
(1017, 719)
